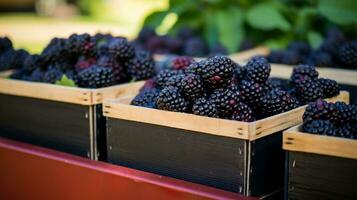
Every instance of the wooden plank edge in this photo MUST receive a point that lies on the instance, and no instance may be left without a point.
(185, 121)
(296, 140)
(247, 54)
(6, 73)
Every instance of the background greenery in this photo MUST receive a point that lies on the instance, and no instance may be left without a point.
(270, 22)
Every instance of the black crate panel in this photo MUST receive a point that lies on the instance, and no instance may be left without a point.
(101, 133)
(321, 177)
(201, 158)
(267, 165)
(56, 125)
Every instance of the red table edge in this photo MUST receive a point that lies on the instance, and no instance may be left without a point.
(115, 170)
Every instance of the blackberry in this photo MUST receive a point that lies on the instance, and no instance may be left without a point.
(192, 87)
(141, 67)
(217, 71)
(347, 54)
(218, 49)
(146, 98)
(175, 81)
(157, 44)
(52, 75)
(18, 75)
(303, 72)
(95, 77)
(290, 57)
(117, 68)
(56, 51)
(334, 38)
(243, 113)
(37, 75)
(170, 99)
(7, 59)
(258, 69)
(149, 84)
(164, 76)
(195, 47)
(174, 45)
(5, 44)
(345, 113)
(320, 59)
(320, 109)
(309, 91)
(195, 68)
(330, 87)
(120, 48)
(32, 62)
(239, 73)
(277, 101)
(84, 63)
(182, 62)
(226, 101)
(301, 48)
(76, 43)
(320, 127)
(204, 107)
(347, 131)
(251, 93)
(275, 56)
(146, 33)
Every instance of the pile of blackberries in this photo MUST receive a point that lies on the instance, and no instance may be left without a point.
(9, 57)
(332, 119)
(335, 51)
(219, 87)
(90, 61)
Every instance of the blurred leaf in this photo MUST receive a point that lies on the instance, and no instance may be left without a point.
(155, 18)
(230, 28)
(210, 29)
(266, 16)
(315, 39)
(65, 81)
(278, 43)
(304, 20)
(341, 12)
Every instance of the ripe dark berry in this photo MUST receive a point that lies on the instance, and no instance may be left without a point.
(142, 66)
(192, 87)
(170, 99)
(120, 48)
(258, 69)
(330, 87)
(217, 71)
(165, 75)
(320, 109)
(204, 107)
(146, 98)
(5, 44)
(251, 93)
(277, 101)
(226, 101)
(320, 127)
(243, 113)
(309, 91)
(347, 54)
(52, 75)
(181, 62)
(96, 77)
(302, 73)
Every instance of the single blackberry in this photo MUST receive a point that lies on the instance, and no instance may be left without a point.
(243, 113)
(347, 54)
(217, 71)
(191, 87)
(277, 101)
(195, 47)
(345, 113)
(5, 44)
(141, 67)
(117, 68)
(258, 69)
(319, 58)
(170, 99)
(164, 76)
(239, 73)
(309, 91)
(182, 62)
(320, 127)
(32, 62)
(320, 109)
(81, 44)
(226, 101)
(52, 75)
(251, 93)
(121, 48)
(330, 87)
(195, 68)
(56, 51)
(334, 38)
(37, 75)
(303, 72)
(275, 56)
(175, 81)
(204, 107)
(7, 59)
(95, 77)
(146, 98)
(84, 63)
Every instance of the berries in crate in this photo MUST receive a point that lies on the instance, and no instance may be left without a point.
(213, 122)
(54, 99)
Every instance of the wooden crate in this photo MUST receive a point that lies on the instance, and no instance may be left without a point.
(319, 167)
(63, 118)
(242, 157)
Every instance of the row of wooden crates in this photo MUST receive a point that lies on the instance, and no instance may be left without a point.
(245, 158)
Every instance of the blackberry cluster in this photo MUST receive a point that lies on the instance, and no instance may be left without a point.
(147, 98)
(335, 51)
(331, 119)
(218, 87)
(308, 87)
(90, 61)
(186, 41)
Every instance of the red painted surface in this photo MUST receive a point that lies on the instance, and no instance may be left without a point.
(30, 172)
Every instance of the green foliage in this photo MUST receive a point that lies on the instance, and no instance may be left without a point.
(65, 81)
(272, 22)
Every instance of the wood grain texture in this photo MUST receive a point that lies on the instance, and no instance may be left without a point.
(229, 128)
(296, 140)
(313, 176)
(206, 159)
(55, 125)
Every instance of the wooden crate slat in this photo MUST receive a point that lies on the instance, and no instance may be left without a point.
(245, 55)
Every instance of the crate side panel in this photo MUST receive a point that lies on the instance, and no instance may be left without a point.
(61, 126)
(267, 165)
(201, 158)
(313, 176)
(101, 133)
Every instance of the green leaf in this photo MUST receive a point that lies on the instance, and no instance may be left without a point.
(341, 12)
(155, 18)
(65, 81)
(266, 16)
(210, 30)
(278, 43)
(315, 39)
(230, 28)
